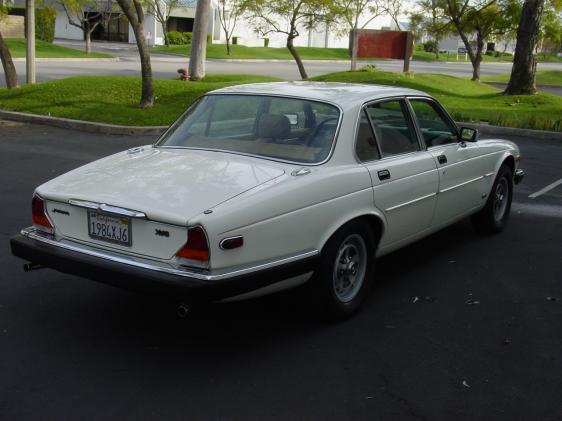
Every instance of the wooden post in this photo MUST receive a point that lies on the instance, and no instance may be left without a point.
(30, 40)
(409, 39)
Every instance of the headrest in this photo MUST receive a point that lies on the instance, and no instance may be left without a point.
(274, 126)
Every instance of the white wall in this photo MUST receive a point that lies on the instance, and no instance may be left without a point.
(152, 35)
(314, 38)
(65, 30)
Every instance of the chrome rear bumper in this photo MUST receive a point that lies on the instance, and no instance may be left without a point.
(147, 275)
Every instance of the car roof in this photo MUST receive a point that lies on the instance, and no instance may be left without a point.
(343, 94)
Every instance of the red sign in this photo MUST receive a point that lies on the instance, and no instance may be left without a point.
(382, 44)
(370, 43)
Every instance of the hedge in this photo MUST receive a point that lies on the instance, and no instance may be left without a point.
(45, 24)
(179, 38)
(44, 21)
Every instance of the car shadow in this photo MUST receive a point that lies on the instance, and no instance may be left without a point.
(152, 321)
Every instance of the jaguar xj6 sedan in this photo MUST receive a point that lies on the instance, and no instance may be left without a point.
(263, 187)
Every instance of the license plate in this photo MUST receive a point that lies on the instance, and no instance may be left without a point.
(113, 229)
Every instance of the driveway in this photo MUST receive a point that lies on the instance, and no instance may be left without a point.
(458, 326)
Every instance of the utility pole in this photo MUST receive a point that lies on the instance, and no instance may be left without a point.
(30, 40)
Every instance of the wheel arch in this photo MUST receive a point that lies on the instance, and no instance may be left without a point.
(375, 221)
(506, 159)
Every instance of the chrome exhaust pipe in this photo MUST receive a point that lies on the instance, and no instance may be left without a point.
(28, 267)
(183, 310)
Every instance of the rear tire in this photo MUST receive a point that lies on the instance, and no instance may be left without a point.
(342, 280)
(493, 217)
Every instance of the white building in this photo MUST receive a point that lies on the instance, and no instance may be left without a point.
(182, 18)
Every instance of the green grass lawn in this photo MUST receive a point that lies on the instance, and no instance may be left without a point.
(47, 50)
(114, 99)
(544, 77)
(470, 101)
(241, 52)
(111, 99)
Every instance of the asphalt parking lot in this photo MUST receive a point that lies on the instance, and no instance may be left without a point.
(458, 326)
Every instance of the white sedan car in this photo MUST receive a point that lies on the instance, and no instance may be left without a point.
(262, 187)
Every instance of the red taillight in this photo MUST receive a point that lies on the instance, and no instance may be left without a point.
(38, 214)
(196, 247)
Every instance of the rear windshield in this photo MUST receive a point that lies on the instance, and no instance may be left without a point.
(287, 129)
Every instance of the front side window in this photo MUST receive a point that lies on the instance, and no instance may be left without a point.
(288, 129)
(435, 129)
(393, 128)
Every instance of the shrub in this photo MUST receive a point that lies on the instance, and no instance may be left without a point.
(45, 24)
(430, 46)
(368, 68)
(234, 40)
(266, 42)
(179, 38)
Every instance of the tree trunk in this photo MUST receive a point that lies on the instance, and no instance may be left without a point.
(165, 31)
(522, 80)
(88, 36)
(135, 15)
(296, 56)
(227, 45)
(199, 40)
(8, 65)
(147, 95)
(477, 58)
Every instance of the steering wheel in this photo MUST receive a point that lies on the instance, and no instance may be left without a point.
(317, 129)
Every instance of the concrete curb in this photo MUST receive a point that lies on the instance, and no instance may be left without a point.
(513, 131)
(259, 60)
(71, 59)
(92, 127)
(85, 126)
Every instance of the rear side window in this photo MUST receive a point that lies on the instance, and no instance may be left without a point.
(393, 128)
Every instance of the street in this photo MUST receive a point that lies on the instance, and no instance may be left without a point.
(458, 326)
(166, 66)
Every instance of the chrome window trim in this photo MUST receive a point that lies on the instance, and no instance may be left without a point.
(205, 276)
(268, 158)
(407, 116)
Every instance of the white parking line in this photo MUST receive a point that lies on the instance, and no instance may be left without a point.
(545, 189)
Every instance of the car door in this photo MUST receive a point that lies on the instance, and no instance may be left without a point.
(461, 181)
(404, 177)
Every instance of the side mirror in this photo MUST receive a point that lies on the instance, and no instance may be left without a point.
(468, 135)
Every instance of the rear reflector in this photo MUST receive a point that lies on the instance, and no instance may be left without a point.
(196, 247)
(232, 243)
(38, 214)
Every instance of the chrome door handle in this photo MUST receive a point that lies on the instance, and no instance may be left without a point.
(383, 175)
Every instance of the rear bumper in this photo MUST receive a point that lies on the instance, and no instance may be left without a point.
(518, 176)
(149, 276)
